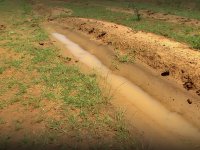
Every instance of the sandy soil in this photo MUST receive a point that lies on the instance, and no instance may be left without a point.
(158, 52)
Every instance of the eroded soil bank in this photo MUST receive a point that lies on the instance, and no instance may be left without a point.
(172, 95)
(158, 52)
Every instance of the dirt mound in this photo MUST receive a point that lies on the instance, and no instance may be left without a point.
(160, 16)
(160, 53)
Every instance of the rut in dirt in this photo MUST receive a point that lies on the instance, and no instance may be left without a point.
(170, 121)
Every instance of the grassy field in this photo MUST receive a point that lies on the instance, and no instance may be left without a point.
(97, 10)
(45, 100)
(176, 7)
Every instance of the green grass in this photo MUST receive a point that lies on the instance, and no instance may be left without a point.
(82, 104)
(176, 7)
(2, 69)
(169, 9)
(124, 58)
(181, 33)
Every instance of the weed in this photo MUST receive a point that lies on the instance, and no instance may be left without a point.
(43, 55)
(18, 125)
(41, 35)
(4, 142)
(49, 95)
(124, 58)
(2, 69)
(115, 64)
(73, 121)
(137, 15)
(2, 121)
(22, 88)
(55, 124)
(14, 63)
(35, 102)
(195, 41)
(39, 119)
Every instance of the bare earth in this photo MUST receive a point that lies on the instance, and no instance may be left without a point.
(158, 52)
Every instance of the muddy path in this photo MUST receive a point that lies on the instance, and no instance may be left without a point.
(158, 52)
(146, 97)
(160, 16)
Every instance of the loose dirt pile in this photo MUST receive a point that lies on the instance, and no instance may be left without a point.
(162, 54)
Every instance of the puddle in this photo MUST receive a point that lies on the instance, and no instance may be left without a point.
(170, 121)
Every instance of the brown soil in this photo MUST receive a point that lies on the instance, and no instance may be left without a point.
(145, 79)
(158, 52)
(160, 16)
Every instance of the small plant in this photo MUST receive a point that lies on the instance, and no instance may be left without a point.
(18, 125)
(137, 15)
(124, 58)
(2, 69)
(195, 41)
(2, 121)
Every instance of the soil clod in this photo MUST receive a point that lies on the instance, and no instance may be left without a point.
(50, 19)
(188, 85)
(2, 27)
(189, 101)
(198, 92)
(166, 73)
(41, 43)
(68, 58)
(101, 35)
(91, 31)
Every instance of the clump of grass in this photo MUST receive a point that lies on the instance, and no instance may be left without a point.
(124, 58)
(2, 69)
(195, 41)
(137, 15)
(18, 125)
(14, 63)
(2, 121)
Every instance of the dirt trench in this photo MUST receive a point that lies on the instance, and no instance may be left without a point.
(158, 52)
(171, 95)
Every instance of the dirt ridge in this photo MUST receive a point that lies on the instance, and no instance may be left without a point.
(160, 53)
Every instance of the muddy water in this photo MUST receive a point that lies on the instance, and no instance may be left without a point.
(170, 121)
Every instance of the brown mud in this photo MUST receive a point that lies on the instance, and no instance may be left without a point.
(158, 52)
(165, 90)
